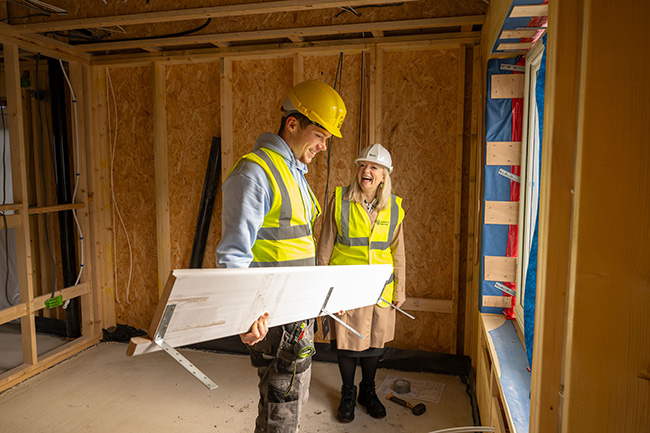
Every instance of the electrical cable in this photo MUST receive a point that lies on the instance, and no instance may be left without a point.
(172, 35)
(42, 153)
(339, 67)
(4, 200)
(77, 175)
(345, 8)
(116, 209)
(24, 16)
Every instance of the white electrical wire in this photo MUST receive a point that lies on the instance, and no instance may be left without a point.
(76, 172)
(469, 429)
(116, 209)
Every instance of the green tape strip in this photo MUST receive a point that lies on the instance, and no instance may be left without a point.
(54, 302)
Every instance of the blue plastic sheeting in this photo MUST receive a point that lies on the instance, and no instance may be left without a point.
(531, 271)
(515, 379)
(514, 23)
(498, 127)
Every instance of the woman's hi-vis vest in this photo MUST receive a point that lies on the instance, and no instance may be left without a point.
(357, 244)
(286, 236)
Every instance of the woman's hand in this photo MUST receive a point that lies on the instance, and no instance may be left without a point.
(257, 331)
(398, 304)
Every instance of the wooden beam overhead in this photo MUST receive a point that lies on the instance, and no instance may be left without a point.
(196, 13)
(300, 32)
(40, 44)
(427, 41)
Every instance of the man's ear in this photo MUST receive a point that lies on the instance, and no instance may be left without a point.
(291, 123)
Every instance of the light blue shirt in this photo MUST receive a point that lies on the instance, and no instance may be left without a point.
(247, 197)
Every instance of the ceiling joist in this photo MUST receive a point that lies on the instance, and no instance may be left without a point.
(196, 14)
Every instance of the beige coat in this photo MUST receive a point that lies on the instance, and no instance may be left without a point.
(375, 323)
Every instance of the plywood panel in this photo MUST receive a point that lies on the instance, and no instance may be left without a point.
(500, 268)
(423, 141)
(259, 89)
(134, 191)
(503, 153)
(193, 113)
(501, 212)
(505, 86)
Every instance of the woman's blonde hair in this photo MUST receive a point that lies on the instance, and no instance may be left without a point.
(383, 192)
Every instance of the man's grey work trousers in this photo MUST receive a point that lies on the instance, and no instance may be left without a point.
(284, 381)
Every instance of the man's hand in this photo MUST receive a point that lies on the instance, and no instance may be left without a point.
(257, 331)
(398, 304)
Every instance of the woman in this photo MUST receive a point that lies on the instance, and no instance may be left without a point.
(363, 214)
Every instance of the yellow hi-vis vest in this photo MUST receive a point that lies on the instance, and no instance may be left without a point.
(357, 244)
(285, 238)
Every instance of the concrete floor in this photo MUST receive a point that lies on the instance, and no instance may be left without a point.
(101, 390)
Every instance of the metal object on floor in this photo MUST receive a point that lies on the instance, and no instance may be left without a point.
(401, 386)
(417, 410)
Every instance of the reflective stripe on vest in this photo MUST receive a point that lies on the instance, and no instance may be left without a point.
(357, 244)
(285, 238)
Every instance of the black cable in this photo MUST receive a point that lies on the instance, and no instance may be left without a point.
(4, 199)
(363, 73)
(339, 68)
(24, 16)
(173, 35)
(345, 9)
(40, 120)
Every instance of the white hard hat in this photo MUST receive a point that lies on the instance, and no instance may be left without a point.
(378, 154)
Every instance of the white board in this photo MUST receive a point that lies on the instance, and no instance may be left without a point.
(216, 303)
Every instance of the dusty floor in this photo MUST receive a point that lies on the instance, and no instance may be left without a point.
(102, 390)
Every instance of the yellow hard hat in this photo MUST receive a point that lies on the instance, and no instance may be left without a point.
(319, 102)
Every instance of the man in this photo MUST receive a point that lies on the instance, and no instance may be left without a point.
(268, 218)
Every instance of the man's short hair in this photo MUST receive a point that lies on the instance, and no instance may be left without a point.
(303, 121)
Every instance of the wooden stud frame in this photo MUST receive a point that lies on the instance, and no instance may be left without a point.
(30, 304)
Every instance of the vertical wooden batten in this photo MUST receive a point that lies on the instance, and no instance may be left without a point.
(374, 97)
(19, 174)
(162, 174)
(100, 199)
(227, 157)
(298, 68)
(460, 116)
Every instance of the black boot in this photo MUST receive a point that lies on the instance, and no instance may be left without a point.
(346, 407)
(368, 399)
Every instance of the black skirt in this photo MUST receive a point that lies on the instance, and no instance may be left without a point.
(368, 353)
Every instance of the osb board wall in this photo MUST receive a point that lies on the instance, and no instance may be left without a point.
(319, 17)
(193, 113)
(418, 124)
(134, 191)
(258, 91)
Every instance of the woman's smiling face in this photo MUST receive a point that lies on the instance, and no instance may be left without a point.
(369, 176)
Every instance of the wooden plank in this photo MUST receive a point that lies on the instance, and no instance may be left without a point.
(494, 20)
(40, 44)
(610, 248)
(502, 212)
(503, 153)
(555, 206)
(529, 11)
(13, 221)
(100, 203)
(517, 34)
(507, 86)
(227, 145)
(377, 33)
(13, 313)
(298, 68)
(429, 305)
(333, 47)
(235, 10)
(67, 293)
(514, 46)
(458, 172)
(51, 358)
(500, 269)
(286, 33)
(497, 301)
(55, 208)
(80, 112)
(216, 303)
(21, 195)
(162, 174)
